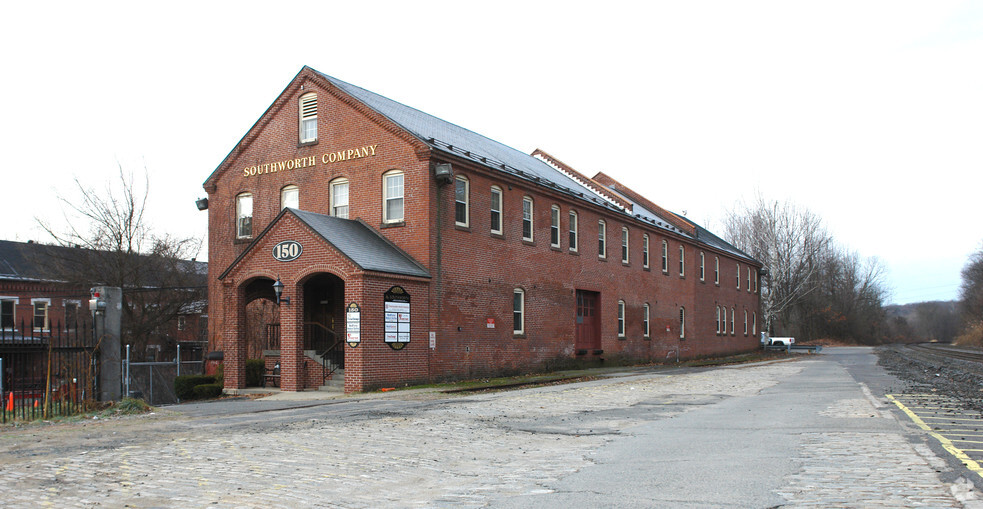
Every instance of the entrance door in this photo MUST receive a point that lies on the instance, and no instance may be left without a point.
(588, 323)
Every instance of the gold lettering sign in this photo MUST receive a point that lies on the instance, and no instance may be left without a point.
(306, 162)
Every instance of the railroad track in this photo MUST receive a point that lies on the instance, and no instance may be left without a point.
(952, 352)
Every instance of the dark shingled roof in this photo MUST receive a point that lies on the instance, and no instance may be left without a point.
(361, 244)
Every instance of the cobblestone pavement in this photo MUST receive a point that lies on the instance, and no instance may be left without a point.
(451, 451)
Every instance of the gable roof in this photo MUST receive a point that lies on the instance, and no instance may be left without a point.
(354, 239)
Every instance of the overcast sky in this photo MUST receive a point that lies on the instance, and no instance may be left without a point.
(870, 114)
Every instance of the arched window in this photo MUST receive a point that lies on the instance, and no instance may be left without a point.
(518, 311)
(462, 196)
(723, 321)
(621, 318)
(308, 118)
(527, 225)
(339, 198)
(392, 193)
(244, 215)
(733, 316)
(290, 197)
(496, 210)
(573, 231)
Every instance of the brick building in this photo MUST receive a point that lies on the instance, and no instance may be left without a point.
(413, 250)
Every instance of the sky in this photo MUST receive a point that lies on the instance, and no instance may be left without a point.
(869, 114)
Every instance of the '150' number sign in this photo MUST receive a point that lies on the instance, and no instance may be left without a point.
(287, 250)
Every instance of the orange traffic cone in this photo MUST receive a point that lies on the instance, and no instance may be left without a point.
(10, 404)
(35, 403)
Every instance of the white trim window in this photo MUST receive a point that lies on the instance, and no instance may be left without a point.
(339, 198)
(392, 201)
(645, 251)
(496, 210)
(733, 316)
(754, 323)
(624, 245)
(244, 215)
(723, 322)
(555, 226)
(308, 118)
(716, 270)
(8, 312)
(646, 330)
(749, 279)
(290, 197)
(40, 319)
(665, 257)
(703, 267)
(602, 248)
(682, 322)
(462, 194)
(755, 280)
(518, 311)
(181, 322)
(682, 261)
(718, 320)
(738, 275)
(573, 231)
(527, 225)
(621, 318)
(745, 322)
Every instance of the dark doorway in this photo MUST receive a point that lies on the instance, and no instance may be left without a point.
(324, 319)
(588, 322)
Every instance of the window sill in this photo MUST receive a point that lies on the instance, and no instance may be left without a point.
(602, 258)
(496, 235)
(309, 143)
(462, 227)
(242, 240)
(574, 253)
(625, 264)
(647, 338)
(646, 269)
(395, 224)
(518, 336)
(528, 242)
(555, 248)
(622, 338)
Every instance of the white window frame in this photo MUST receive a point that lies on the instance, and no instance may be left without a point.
(756, 280)
(181, 322)
(466, 202)
(15, 301)
(749, 279)
(521, 311)
(718, 320)
(47, 315)
(665, 257)
(754, 323)
(495, 213)
(745, 322)
(334, 199)
(528, 216)
(645, 251)
(307, 105)
(625, 251)
(621, 318)
(555, 226)
(723, 321)
(716, 270)
(574, 233)
(682, 260)
(738, 276)
(733, 315)
(386, 198)
(602, 241)
(646, 324)
(285, 191)
(682, 322)
(241, 198)
(703, 268)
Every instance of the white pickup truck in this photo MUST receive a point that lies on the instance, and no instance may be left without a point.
(767, 340)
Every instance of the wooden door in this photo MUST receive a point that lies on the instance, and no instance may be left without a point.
(588, 321)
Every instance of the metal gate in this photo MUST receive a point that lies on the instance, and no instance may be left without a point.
(47, 373)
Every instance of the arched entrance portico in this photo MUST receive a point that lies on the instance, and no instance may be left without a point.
(324, 324)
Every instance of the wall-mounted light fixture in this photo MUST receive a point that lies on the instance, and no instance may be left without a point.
(202, 203)
(278, 290)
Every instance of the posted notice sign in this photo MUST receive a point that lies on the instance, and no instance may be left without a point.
(397, 318)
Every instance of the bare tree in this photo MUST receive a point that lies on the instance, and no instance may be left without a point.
(971, 300)
(789, 241)
(115, 246)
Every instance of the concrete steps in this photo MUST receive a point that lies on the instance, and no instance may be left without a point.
(336, 384)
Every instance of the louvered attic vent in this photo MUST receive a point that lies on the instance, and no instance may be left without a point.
(308, 118)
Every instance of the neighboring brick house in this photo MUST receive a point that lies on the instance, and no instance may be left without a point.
(462, 257)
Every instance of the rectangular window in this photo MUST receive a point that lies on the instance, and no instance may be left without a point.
(682, 261)
(718, 319)
(738, 275)
(71, 315)
(716, 270)
(621, 318)
(682, 323)
(665, 257)
(745, 322)
(339, 199)
(733, 315)
(645, 321)
(290, 197)
(393, 206)
(645, 251)
(40, 315)
(555, 226)
(723, 322)
(527, 219)
(496, 210)
(624, 245)
(755, 280)
(573, 231)
(180, 323)
(518, 311)
(602, 250)
(308, 118)
(703, 269)
(7, 314)
(244, 216)
(749, 279)
(461, 201)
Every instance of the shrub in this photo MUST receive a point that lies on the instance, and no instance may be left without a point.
(184, 385)
(255, 369)
(207, 391)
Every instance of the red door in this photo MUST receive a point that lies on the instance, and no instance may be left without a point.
(588, 324)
